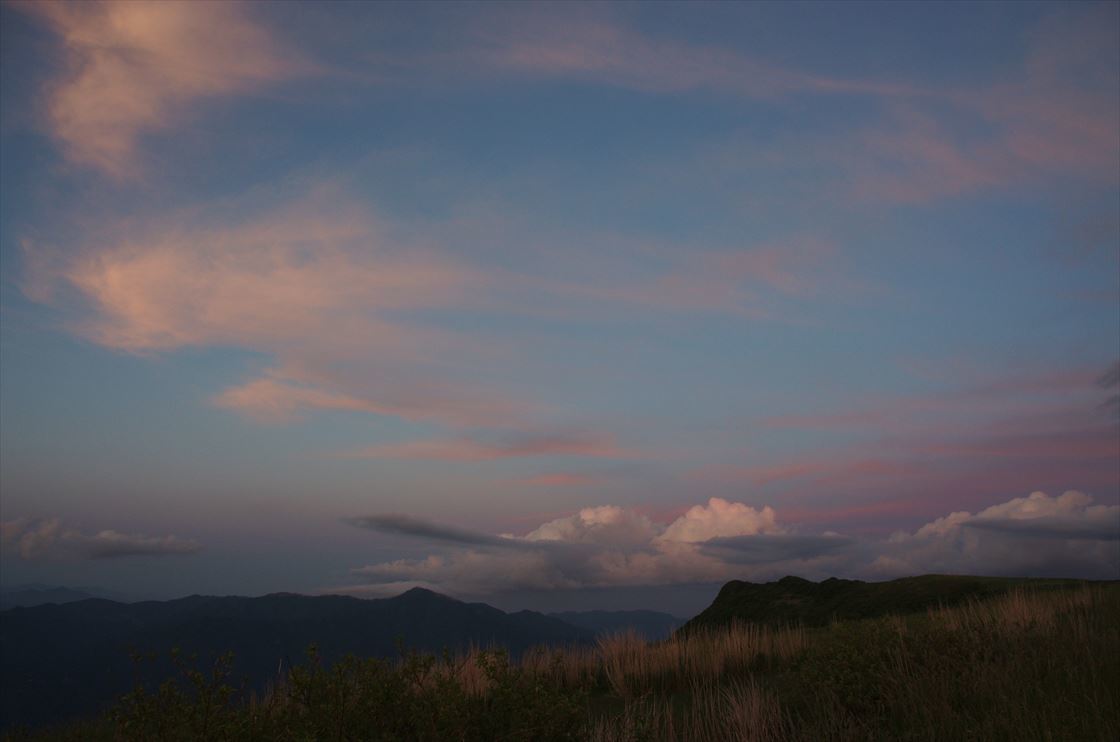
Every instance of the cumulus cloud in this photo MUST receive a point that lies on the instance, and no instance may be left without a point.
(600, 546)
(611, 546)
(721, 518)
(47, 538)
(1034, 535)
(136, 68)
(607, 525)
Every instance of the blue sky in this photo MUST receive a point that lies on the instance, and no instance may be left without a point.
(587, 275)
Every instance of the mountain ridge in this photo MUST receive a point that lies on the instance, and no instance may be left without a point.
(795, 600)
(58, 661)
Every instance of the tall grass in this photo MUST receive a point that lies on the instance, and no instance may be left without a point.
(1022, 666)
(633, 666)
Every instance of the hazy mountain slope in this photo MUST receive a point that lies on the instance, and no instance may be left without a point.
(792, 600)
(57, 661)
(650, 625)
(28, 596)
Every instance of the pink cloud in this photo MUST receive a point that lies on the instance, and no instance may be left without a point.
(312, 282)
(1093, 443)
(559, 479)
(1046, 392)
(914, 475)
(290, 272)
(1058, 115)
(520, 446)
(742, 282)
(987, 437)
(280, 397)
(826, 470)
(136, 68)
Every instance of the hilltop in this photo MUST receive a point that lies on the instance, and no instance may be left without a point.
(793, 600)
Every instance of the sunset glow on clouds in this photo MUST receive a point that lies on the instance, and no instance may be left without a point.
(610, 546)
(834, 274)
(139, 67)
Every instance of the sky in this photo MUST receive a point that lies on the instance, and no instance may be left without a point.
(557, 306)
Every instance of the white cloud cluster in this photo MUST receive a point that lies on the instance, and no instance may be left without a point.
(610, 546)
(608, 525)
(48, 538)
(720, 518)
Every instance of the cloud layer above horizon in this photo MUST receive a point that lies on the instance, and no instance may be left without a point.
(609, 546)
(48, 538)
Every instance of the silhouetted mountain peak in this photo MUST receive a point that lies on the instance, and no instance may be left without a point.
(791, 581)
(421, 594)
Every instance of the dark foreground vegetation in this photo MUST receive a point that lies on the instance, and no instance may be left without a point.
(60, 662)
(1025, 664)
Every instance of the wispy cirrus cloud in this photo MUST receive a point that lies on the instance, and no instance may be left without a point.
(523, 445)
(750, 281)
(995, 434)
(48, 538)
(599, 49)
(137, 68)
(560, 479)
(1056, 115)
(309, 280)
(282, 394)
(894, 476)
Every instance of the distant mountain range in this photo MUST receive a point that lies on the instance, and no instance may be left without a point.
(62, 661)
(793, 600)
(26, 596)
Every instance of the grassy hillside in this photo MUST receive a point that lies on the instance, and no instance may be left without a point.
(1024, 664)
(795, 601)
(649, 625)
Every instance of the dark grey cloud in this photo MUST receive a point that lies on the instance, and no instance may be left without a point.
(1110, 379)
(405, 525)
(1100, 529)
(112, 545)
(770, 548)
